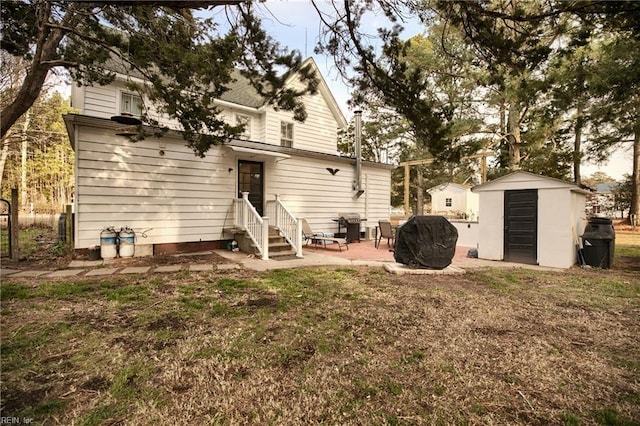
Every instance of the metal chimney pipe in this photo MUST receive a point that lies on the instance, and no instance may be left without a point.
(358, 149)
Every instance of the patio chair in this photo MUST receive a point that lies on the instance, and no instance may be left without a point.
(386, 231)
(317, 238)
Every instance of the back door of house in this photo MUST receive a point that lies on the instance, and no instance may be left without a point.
(521, 226)
(251, 180)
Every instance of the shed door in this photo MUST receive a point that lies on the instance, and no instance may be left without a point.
(251, 180)
(521, 226)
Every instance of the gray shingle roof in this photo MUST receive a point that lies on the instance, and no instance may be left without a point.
(241, 92)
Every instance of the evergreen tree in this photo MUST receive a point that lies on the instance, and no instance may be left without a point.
(40, 157)
(186, 60)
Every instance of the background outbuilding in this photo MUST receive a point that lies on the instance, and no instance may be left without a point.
(533, 219)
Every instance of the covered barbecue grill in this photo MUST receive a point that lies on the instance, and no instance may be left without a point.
(427, 242)
(351, 223)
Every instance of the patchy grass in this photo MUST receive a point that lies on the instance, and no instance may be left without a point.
(627, 250)
(31, 240)
(325, 345)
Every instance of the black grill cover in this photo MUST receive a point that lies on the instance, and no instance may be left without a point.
(427, 242)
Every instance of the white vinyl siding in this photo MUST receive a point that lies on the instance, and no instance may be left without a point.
(310, 191)
(119, 184)
(317, 133)
(187, 199)
(100, 101)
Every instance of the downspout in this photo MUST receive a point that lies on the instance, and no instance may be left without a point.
(357, 185)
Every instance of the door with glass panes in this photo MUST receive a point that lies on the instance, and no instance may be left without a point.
(251, 180)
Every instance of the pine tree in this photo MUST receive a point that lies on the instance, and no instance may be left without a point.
(186, 60)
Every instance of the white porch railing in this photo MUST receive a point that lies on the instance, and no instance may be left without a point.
(256, 227)
(287, 224)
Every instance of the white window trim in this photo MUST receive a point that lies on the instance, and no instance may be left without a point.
(249, 124)
(282, 139)
(121, 105)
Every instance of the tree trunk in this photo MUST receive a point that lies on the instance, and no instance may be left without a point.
(577, 142)
(503, 123)
(4, 154)
(635, 190)
(27, 95)
(514, 138)
(23, 161)
(47, 44)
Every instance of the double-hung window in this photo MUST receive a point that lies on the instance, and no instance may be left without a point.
(246, 121)
(286, 134)
(131, 104)
(448, 202)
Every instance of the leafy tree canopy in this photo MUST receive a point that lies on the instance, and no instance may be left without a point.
(188, 60)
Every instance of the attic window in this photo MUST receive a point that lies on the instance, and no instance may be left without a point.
(131, 104)
(286, 134)
(448, 202)
(246, 120)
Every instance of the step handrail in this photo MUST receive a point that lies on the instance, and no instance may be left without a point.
(286, 223)
(256, 227)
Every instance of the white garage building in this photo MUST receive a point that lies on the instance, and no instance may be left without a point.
(532, 219)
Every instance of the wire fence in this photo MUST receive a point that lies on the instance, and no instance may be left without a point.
(33, 220)
(26, 222)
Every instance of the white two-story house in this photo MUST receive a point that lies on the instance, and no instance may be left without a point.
(280, 171)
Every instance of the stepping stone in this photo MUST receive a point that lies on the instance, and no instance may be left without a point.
(201, 268)
(101, 272)
(228, 266)
(65, 273)
(30, 273)
(400, 269)
(168, 268)
(135, 270)
(84, 263)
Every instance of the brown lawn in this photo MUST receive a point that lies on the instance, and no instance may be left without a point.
(326, 345)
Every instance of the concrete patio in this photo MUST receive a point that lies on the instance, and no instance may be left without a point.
(363, 253)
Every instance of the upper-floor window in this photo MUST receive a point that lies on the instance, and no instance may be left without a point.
(246, 120)
(448, 202)
(286, 134)
(131, 104)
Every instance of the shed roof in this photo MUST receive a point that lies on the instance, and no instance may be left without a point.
(449, 185)
(526, 180)
(606, 187)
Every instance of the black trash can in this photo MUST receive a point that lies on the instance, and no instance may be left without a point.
(598, 243)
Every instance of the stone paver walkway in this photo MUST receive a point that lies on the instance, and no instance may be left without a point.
(99, 268)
